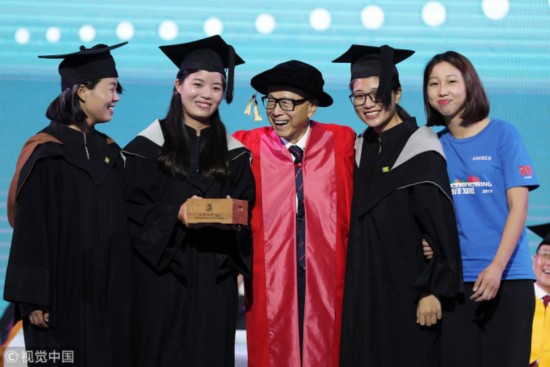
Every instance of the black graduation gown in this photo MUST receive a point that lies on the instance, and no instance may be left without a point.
(394, 206)
(70, 251)
(186, 287)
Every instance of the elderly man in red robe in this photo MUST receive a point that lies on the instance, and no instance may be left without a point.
(304, 172)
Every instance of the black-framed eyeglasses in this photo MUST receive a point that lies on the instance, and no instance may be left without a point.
(359, 99)
(286, 104)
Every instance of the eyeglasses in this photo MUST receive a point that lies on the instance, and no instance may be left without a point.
(286, 104)
(543, 255)
(360, 99)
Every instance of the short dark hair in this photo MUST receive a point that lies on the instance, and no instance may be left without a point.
(476, 107)
(66, 107)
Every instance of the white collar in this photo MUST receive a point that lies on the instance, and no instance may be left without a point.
(302, 142)
(539, 292)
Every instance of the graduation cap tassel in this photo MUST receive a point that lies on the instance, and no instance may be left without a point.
(257, 116)
(230, 74)
(249, 105)
(386, 66)
(253, 101)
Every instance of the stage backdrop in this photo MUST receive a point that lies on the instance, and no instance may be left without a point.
(508, 41)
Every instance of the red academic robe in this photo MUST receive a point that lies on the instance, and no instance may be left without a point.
(271, 292)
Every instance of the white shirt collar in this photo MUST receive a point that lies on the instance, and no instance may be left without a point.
(539, 292)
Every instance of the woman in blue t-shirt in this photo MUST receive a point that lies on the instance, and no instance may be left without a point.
(491, 175)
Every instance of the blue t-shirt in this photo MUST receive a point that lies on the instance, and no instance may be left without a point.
(481, 168)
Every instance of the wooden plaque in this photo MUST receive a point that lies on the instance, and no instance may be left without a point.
(226, 211)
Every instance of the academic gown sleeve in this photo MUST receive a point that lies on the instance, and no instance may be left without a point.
(242, 187)
(153, 223)
(29, 275)
(434, 212)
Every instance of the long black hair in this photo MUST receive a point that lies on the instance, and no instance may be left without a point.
(66, 107)
(175, 154)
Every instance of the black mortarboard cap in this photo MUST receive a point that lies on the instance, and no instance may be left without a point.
(367, 61)
(86, 64)
(210, 54)
(296, 74)
(543, 231)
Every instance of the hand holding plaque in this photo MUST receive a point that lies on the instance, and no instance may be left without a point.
(213, 211)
